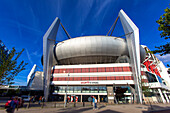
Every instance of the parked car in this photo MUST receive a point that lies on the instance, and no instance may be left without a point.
(26, 98)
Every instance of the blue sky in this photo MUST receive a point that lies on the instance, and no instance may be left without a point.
(24, 22)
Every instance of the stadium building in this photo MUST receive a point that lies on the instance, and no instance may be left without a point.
(112, 69)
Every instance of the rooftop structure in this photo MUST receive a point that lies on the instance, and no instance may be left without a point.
(110, 68)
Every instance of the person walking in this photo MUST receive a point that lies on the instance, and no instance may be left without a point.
(12, 105)
(95, 103)
(40, 99)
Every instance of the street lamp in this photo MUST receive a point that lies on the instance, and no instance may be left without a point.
(65, 105)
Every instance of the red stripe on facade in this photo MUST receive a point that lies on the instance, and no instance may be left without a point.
(93, 70)
(92, 78)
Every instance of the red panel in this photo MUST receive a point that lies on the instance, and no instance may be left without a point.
(83, 70)
(115, 69)
(55, 79)
(56, 71)
(69, 71)
(87, 70)
(85, 78)
(75, 70)
(121, 78)
(99, 69)
(101, 78)
(71, 78)
(64, 71)
(91, 78)
(111, 69)
(91, 69)
(95, 69)
(77, 78)
(112, 78)
(108, 78)
(103, 69)
(126, 69)
(117, 77)
(61, 71)
(95, 78)
(107, 69)
(120, 69)
(66, 79)
(126, 77)
(61, 79)
(79, 70)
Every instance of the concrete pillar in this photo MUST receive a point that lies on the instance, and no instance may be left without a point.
(81, 98)
(98, 98)
(133, 94)
(163, 99)
(64, 98)
(110, 94)
(167, 99)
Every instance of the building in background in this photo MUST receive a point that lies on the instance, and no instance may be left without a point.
(112, 69)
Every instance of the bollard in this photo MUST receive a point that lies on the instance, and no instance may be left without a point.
(74, 104)
(83, 104)
(28, 105)
(42, 105)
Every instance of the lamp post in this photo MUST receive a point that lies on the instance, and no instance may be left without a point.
(65, 105)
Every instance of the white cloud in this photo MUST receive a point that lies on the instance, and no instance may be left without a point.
(164, 58)
(29, 57)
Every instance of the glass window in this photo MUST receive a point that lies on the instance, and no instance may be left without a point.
(77, 89)
(61, 89)
(102, 89)
(151, 77)
(85, 89)
(159, 79)
(94, 89)
(70, 89)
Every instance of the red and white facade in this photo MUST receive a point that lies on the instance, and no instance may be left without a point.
(108, 67)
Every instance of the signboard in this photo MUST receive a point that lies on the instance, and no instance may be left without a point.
(89, 82)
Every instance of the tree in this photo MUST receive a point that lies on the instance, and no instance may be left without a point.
(9, 67)
(164, 27)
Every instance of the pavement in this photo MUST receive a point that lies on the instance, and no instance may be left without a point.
(102, 108)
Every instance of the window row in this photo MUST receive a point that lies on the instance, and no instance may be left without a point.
(90, 70)
(92, 78)
(80, 89)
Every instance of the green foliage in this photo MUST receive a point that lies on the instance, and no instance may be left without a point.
(164, 27)
(164, 24)
(9, 67)
(145, 89)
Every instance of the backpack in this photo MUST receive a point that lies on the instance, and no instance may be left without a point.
(95, 100)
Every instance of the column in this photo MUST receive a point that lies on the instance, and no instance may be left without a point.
(81, 98)
(160, 92)
(167, 99)
(110, 94)
(98, 98)
(64, 98)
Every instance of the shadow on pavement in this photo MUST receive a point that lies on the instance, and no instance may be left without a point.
(109, 111)
(157, 109)
(76, 111)
(101, 107)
